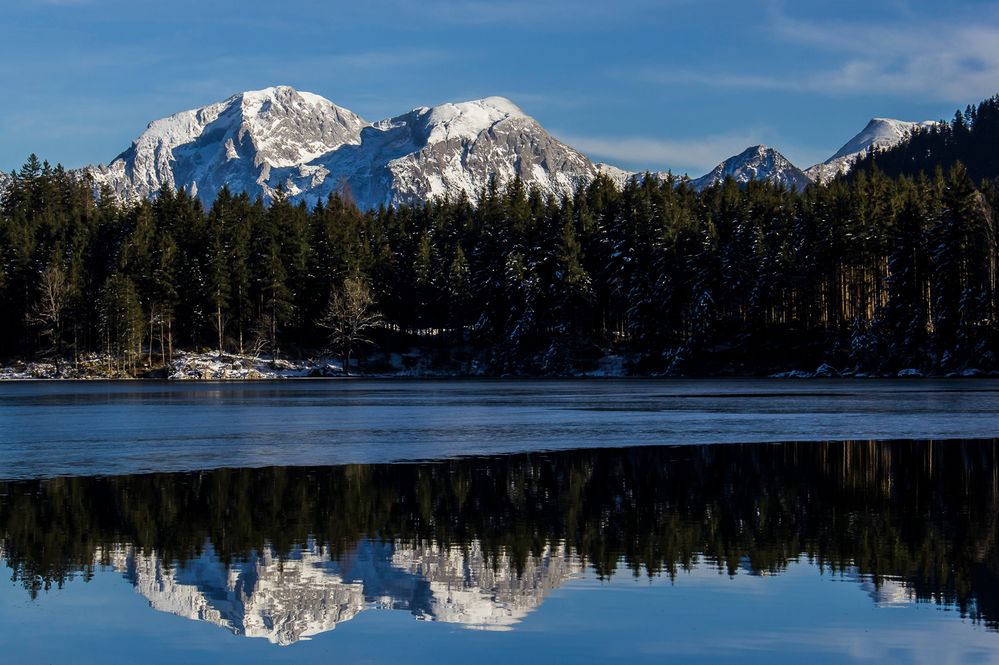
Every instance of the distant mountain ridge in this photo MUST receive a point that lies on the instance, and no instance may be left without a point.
(283, 140)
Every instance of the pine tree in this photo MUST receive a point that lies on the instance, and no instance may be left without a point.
(961, 278)
(219, 260)
(906, 312)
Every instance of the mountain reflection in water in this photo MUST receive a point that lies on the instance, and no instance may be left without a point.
(288, 552)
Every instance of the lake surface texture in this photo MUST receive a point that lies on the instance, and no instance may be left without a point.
(500, 521)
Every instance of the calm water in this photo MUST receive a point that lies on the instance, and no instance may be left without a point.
(584, 521)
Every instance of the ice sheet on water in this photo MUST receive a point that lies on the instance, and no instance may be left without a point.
(72, 428)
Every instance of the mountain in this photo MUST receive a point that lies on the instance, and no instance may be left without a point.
(880, 133)
(756, 163)
(4, 181)
(278, 137)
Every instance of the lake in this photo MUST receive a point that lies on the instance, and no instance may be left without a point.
(539, 521)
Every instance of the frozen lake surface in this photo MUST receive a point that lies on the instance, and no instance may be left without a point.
(81, 428)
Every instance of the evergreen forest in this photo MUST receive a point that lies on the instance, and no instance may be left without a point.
(889, 269)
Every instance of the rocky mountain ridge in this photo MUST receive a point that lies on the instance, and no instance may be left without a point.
(756, 163)
(281, 141)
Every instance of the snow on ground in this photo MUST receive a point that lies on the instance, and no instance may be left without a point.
(185, 366)
(212, 367)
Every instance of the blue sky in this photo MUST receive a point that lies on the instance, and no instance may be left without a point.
(644, 84)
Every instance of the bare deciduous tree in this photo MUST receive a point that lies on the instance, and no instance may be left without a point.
(350, 317)
(54, 291)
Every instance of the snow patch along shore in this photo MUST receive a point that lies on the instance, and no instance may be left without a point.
(186, 366)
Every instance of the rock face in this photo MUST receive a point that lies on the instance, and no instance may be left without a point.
(236, 143)
(756, 163)
(257, 142)
(880, 133)
(292, 598)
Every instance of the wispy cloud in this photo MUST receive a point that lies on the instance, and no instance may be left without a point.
(952, 60)
(694, 156)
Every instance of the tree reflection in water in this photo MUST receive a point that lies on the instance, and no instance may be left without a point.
(482, 541)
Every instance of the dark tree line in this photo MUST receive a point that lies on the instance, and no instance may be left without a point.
(872, 273)
(923, 512)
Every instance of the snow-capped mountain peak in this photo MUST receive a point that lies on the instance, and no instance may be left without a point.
(258, 141)
(759, 162)
(466, 120)
(880, 133)
(235, 142)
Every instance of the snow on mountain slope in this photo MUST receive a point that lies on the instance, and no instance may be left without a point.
(618, 175)
(756, 163)
(880, 133)
(447, 150)
(4, 182)
(236, 143)
(260, 141)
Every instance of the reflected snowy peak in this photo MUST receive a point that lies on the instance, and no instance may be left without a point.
(284, 599)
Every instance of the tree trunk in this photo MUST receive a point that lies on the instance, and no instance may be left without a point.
(218, 325)
(240, 322)
(152, 317)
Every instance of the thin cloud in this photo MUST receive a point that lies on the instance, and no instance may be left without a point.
(955, 61)
(694, 156)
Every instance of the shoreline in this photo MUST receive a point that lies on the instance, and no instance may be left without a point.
(231, 368)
